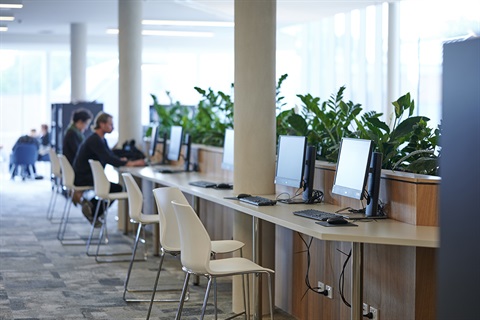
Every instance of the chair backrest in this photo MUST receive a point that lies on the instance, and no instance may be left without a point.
(55, 164)
(169, 234)
(135, 197)
(25, 154)
(195, 243)
(68, 175)
(101, 184)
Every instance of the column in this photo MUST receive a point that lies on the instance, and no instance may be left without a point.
(130, 71)
(255, 80)
(255, 131)
(393, 66)
(78, 62)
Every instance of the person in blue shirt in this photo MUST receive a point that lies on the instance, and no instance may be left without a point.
(95, 147)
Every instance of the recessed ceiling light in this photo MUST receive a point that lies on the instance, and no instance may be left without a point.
(188, 23)
(165, 33)
(3, 28)
(6, 18)
(11, 4)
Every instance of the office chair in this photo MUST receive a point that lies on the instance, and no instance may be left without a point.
(196, 248)
(170, 236)
(24, 157)
(68, 178)
(101, 186)
(135, 203)
(56, 177)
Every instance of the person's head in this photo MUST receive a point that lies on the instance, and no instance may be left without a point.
(103, 123)
(81, 118)
(44, 128)
(33, 133)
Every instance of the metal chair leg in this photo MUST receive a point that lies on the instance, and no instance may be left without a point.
(205, 299)
(182, 297)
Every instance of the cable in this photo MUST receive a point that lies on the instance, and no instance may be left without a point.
(307, 279)
(341, 279)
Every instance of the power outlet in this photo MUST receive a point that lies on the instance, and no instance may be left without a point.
(375, 313)
(330, 291)
(320, 286)
(365, 308)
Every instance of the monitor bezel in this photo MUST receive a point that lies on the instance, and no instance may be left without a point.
(347, 191)
(153, 140)
(228, 150)
(175, 132)
(287, 181)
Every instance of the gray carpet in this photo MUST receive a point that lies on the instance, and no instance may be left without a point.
(42, 279)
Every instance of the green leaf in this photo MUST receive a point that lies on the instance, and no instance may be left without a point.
(405, 128)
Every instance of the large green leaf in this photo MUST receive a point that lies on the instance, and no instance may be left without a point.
(406, 127)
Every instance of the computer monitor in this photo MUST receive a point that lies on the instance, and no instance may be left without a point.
(353, 166)
(175, 146)
(227, 161)
(153, 140)
(290, 161)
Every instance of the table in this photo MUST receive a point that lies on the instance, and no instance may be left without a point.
(389, 232)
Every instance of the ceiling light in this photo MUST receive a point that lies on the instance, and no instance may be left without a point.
(3, 28)
(6, 18)
(11, 4)
(169, 33)
(188, 23)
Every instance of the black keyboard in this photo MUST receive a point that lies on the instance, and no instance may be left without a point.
(315, 214)
(258, 201)
(203, 184)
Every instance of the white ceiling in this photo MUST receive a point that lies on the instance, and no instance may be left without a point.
(48, 21)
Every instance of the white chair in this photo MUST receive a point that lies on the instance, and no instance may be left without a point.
(68, 178)
(135, 203)
(56, 177)
(101, 186)
(196, 248)
(170, 236)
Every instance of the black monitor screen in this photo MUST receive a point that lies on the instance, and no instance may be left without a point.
(290, 161)
(227, 161)
(353, 166)
(153, 140)
(175, 146)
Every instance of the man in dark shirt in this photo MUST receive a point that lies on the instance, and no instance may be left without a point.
(74, 136)
(95, 147)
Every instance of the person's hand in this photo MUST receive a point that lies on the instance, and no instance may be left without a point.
(136, 163)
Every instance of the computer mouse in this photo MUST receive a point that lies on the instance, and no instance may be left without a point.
(243, 195)
(337, 220)
(223, 186)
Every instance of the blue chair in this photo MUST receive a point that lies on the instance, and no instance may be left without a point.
(24, 157)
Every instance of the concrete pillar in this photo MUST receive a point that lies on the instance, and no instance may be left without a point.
(130, 71)
(255, 80)
(255, 131)
(78, 62)
(393, 66)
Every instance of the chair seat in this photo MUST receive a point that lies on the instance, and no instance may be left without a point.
(117, 196)
(148, 218)
(232, 266)
(82, 188)
(225, 246)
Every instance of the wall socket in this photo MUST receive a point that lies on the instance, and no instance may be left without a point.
(375, 313)
(322, 287)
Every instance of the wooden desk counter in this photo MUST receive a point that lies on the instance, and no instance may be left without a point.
(386, 231)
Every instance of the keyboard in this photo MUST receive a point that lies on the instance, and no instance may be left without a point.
(169, 170)
(315, 214)
(258, 201)
(203, 184)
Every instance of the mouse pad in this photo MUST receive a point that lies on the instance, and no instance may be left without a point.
(326, 224)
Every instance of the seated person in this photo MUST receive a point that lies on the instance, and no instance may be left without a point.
(75, 133)
(26, 139)
(44, 144)
(95, 147)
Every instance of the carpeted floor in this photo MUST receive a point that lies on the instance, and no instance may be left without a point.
(42, 279)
